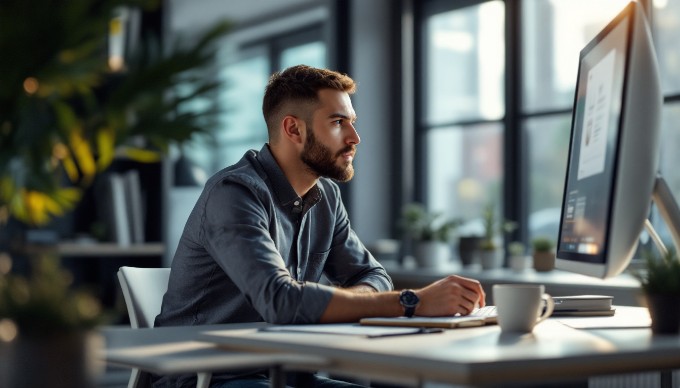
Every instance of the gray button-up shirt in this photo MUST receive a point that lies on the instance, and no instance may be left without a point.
(253, 250)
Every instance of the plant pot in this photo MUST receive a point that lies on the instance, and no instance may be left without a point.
(544, 261)
(431, 254)
(520, 262)
(61, 360)
(664, 309)
(491, 259)
(468, 249)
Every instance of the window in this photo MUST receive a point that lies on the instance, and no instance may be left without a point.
(245, 71)
(460, 125)
(666, 19)
(553, 34)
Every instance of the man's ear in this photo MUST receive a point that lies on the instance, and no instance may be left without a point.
(292, 129)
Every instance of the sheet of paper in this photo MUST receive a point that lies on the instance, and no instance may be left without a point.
(345, 329)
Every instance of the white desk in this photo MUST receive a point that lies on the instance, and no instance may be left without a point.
(474, 356)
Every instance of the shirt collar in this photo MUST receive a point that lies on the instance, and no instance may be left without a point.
(282, 188)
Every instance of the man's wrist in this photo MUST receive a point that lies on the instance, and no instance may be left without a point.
(409, 301)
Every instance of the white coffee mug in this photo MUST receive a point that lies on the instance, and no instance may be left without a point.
(521, 306)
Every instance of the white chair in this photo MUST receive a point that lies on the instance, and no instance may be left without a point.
(143, 290)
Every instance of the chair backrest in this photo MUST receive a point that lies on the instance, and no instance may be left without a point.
(143, 290)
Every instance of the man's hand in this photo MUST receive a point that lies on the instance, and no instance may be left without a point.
(450, 296)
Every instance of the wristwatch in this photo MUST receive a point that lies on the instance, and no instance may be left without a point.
(409, 300)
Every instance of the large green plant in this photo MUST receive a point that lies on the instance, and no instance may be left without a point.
(64, 114)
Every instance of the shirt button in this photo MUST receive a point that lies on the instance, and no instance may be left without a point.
(296, 203)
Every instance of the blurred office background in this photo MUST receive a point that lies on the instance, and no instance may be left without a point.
(460, 103)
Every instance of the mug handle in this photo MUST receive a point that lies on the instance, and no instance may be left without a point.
(549, 307)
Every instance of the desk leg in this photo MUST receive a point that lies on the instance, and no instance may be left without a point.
(277, 377)
(203, 380)
(666, 379)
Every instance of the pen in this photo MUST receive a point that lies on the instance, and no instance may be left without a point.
(422, 330)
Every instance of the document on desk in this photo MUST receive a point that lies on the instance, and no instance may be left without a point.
(348, 329)
(626, 317)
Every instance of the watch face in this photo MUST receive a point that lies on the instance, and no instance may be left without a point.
(409, 298)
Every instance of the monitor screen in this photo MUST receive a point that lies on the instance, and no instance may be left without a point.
(613, 150)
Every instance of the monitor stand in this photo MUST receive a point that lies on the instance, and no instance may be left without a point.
(668, 208)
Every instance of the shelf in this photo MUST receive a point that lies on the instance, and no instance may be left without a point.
(100, 250)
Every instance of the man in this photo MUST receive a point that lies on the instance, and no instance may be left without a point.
(266, 229)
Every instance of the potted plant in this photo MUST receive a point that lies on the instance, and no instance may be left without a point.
(47, 326)
(468, 249)
(543, 254)
(490, 247)
(660, 286)
(430, 233)
(518, 258)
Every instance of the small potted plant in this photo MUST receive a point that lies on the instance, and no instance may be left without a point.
(660, 286)
(543, 254)
(430, 233)
(490, 247)
(518, 258)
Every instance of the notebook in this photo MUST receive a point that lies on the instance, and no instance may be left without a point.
(479, 317)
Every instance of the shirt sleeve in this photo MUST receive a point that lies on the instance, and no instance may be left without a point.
(235, 232)
(349, 262)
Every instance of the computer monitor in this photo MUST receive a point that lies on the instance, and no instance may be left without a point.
(613, 152)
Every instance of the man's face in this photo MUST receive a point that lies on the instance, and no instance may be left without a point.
(332, 152)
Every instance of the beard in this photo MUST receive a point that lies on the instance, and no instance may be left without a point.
(321, 161)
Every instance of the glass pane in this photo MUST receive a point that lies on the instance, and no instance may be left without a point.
(669, 161)
(242, 122)
(548, 147)
(465, 64)
(553, 34)
(465, 172)
(311, 54)
(667, 29)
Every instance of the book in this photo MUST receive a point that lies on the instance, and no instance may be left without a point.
(584, 313)
(118, 221)
(120, 206)
(583, 303)
(134, 206)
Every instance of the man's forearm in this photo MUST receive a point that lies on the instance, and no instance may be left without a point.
(448, 296)
(350, 305)
(361, 288)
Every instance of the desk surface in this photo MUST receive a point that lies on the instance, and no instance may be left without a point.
(481, 355)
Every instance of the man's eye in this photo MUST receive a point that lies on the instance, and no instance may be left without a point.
(338, 122)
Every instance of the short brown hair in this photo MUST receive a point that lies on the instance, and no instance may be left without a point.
(299, 85)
